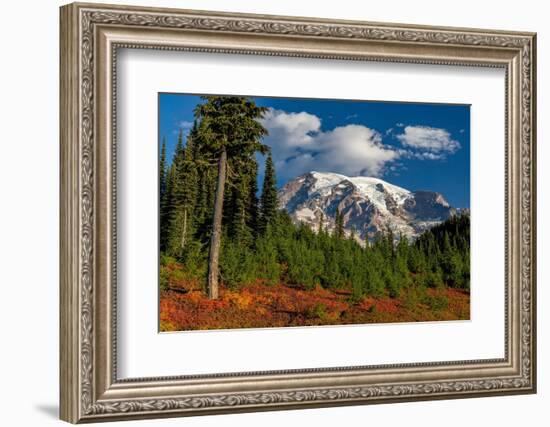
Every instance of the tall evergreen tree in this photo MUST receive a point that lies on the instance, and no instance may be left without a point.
(252, 206)
(204, 209)
(174, 217)
(177, 161)
(241, 204)
(190, 180)
(230, 129)
(163, 177)
(321, 230)
(162, 171)
(236, 215)
(184, 190)
(268, 200)
(352, 234)
(339, 224)
(167, 209)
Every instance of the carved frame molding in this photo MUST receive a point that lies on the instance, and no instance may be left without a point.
(90, 36)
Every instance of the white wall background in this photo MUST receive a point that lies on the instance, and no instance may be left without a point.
(29, 170)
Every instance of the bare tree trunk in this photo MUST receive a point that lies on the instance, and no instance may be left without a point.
(184, 233)
(214, 256)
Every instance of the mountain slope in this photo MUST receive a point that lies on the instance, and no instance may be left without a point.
(369, 205)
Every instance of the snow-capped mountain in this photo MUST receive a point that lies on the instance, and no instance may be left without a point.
(368, 205)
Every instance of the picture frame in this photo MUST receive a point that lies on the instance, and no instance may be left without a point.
(91, 35)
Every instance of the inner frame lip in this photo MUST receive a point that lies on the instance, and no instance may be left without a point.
(340, 370)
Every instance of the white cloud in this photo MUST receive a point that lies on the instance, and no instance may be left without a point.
(185, 124)
(289, 132)
(184, 132)
(299, 146)
(428, 140)
(353, 150)
(425, 155)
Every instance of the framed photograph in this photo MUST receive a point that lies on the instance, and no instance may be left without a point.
(267, 212)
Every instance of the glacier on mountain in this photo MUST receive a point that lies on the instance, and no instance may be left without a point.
(369, 205)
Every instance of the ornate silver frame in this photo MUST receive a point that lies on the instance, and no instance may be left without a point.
(90, 35)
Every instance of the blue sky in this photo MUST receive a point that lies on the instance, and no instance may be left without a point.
(417, 146)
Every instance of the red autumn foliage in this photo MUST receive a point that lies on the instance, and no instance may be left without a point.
(260, 306)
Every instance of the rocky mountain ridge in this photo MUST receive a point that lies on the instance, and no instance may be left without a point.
(368, 205)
